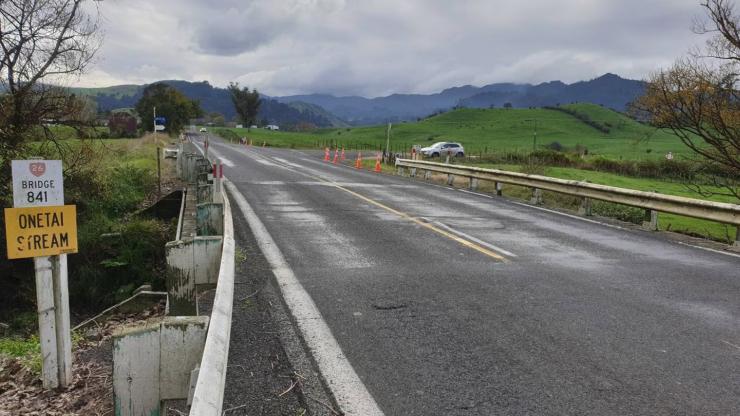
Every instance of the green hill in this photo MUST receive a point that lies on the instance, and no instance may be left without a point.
(497, 130)
(117, 91)
(315, 109)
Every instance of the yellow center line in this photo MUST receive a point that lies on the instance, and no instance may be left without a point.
(464, 242)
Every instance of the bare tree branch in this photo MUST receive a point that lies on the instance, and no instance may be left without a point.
(698, 99)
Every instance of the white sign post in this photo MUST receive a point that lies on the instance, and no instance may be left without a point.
(39, 183)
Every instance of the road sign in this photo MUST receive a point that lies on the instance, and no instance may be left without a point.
(159, 127)
(42, 227)
(41, 231)
(37, 183)
(160, 120)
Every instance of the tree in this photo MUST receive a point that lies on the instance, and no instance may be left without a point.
(216, 118)
(170, 103)
(246, 103)
(41, 42)
(698, 100)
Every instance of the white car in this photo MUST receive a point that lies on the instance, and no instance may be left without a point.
(443, 149)
(203, 130)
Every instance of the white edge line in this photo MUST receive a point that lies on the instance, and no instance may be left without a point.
(708, 249)
(350, 393)
(470, 237)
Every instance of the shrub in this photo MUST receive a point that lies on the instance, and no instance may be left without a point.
(551, 158)
(114, 265)
(126, 187)
(555, 146)
(620, 212)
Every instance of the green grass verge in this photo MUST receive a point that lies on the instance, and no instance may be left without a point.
(26, 350)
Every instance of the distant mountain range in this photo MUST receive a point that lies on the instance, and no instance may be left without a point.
(323, 110)
(214, 99)
(608, 90)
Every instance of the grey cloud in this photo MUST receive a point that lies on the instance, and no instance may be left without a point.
(386, 46)
(236, 27)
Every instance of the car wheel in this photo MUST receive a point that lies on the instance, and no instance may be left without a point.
(435, 154)
(460, 154)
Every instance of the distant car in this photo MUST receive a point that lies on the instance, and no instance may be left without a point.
(203, 130)
(272, 127)
(443, 149)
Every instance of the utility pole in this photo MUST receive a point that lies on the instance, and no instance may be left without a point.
(154, 120)
(388, 143)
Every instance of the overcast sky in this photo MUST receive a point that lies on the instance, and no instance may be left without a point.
(379, 47)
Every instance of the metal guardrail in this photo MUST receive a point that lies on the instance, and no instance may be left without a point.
(209, 389)
(690, 207)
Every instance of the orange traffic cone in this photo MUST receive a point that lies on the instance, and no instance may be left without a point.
(358, 162)
(377, 163)
(263, 144)
(326, 154)
(342, 157)
(336, 155)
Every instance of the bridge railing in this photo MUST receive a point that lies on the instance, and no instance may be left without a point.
(209, 388)
(697, 208)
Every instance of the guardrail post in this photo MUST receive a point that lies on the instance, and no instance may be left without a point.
(499, 189)
(412, 172)
(737, 236)
(400, 171)
(651, 220)
(450, 179)
(427, 174)
(585, 208)
(536, 196)
(473, 184)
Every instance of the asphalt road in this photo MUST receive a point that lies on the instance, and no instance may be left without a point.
(447, 302)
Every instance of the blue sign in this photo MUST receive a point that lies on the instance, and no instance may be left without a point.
(160, 121)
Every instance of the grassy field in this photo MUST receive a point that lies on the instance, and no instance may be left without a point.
(496, 130)
(490, 131)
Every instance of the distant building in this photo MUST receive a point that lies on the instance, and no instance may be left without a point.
(123, 123)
